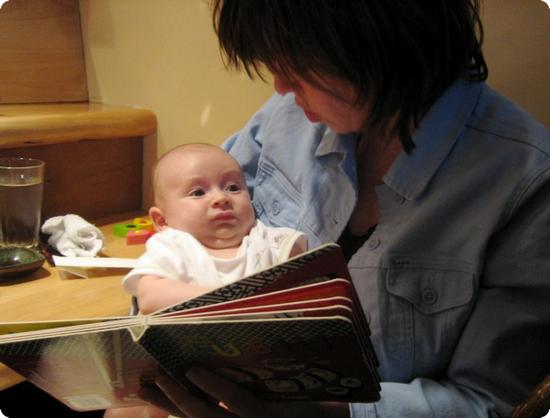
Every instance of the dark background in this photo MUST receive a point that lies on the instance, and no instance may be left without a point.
(24, 400)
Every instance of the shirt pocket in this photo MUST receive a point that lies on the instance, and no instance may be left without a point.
(276, 200)
(431, 301)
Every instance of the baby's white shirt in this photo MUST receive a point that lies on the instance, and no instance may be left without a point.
(177, 255)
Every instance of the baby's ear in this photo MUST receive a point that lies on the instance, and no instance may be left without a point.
(159, 221)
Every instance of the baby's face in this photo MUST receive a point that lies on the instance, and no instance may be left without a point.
(204, 194)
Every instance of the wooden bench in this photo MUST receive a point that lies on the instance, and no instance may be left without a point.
(94, 154)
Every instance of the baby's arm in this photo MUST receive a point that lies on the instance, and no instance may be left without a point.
(296, 250)
(154, 292)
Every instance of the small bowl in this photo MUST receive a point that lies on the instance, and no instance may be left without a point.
(15, 262)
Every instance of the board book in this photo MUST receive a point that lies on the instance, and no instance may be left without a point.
(293, 332)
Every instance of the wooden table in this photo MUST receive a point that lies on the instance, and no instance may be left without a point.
(44, 295)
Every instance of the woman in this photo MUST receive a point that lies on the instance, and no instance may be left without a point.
(384, 138)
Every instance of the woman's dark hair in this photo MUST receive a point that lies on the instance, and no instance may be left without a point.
(401, 55)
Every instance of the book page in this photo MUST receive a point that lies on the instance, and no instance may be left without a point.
(314, 291)
(85, 372)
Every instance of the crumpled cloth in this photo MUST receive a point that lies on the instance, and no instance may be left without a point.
(73, 236)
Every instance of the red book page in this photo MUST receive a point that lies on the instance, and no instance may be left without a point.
(315, 291)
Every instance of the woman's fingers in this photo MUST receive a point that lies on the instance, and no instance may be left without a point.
(224, 399)
(238, 400)
(155, 396)
(189, 404)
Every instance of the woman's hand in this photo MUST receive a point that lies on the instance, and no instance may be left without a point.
(233, 401)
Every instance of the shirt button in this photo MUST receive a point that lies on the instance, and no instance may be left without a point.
(429, 296)
(276, 207)
(399, 199)
(373, 243)
(260, 179)
(258, 208)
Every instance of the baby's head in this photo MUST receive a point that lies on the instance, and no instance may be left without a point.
(200, 189)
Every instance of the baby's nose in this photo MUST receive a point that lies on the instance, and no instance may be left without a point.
(219, 198)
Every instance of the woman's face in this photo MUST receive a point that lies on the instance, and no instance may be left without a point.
(337, 110)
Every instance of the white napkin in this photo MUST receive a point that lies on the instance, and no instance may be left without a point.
(73, 236)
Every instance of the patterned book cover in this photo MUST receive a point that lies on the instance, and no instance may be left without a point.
(299, 359)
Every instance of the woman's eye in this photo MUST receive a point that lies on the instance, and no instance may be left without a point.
(233, 188)
(196, 192)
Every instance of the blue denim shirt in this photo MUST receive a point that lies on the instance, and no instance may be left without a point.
(455, 279)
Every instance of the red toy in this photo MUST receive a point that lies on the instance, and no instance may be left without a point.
(139, 236)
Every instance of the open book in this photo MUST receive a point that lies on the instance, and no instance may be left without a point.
(295, 331)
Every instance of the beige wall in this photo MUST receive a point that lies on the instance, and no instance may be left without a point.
(163, 55)
(517, 49)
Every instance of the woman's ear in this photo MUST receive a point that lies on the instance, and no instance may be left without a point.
(159, 221)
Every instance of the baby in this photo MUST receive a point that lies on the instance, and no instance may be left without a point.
(207, 235)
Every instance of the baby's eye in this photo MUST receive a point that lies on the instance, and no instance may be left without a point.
(233, 188)
(196, 192)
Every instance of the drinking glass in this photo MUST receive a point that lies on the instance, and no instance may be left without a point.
(21, 186)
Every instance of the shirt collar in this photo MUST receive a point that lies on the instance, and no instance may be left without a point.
(342, 145)
(435, 137)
